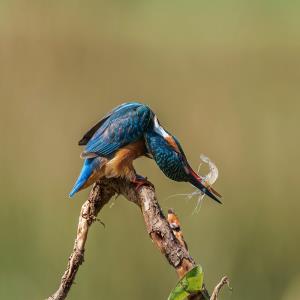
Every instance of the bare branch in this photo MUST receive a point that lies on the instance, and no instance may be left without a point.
(98, 197)
(157, 227)
(217, 289)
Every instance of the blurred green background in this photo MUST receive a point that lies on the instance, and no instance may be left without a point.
(223, 76)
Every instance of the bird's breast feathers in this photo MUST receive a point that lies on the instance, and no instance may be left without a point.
(120, 165)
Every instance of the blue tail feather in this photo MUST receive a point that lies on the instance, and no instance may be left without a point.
(89, 166)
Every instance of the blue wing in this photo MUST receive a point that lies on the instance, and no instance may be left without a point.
(123, 108)
(125, 124)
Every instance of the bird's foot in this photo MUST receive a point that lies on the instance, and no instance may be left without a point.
(140, 181)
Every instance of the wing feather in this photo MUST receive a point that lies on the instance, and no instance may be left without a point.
(124, 125)
(103, 124)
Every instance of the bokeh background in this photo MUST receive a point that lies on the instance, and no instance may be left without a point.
(223, 76)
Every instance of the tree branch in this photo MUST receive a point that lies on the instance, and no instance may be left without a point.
(217, 289)
(98, 197)
(157, 227)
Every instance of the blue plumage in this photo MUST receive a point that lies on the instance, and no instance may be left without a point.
(168, 160)
(90, 166)
(123, 126)
(126, 124)
(169, 156)
(103, 123)
(127, 132)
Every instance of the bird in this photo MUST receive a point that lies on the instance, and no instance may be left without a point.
(112, 145)
(129, 131)
(171, 159)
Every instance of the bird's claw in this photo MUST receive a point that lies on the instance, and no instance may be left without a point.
(140, 181)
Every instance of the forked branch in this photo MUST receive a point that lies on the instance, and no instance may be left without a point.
(157, 227)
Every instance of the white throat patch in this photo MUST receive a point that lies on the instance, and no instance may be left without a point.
(159, 129)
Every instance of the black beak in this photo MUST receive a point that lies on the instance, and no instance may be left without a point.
(196, 183)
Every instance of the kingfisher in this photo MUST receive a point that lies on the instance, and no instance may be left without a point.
(170, 158)
(112, 145)
(129, 131)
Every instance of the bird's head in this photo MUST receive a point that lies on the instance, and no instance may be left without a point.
(183, 170)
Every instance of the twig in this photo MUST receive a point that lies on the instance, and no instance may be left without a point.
(98, 197)
(176, 228)
(156, 224)
(158, 227)
(217, 289)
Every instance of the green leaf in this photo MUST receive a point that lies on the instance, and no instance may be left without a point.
(191, 282)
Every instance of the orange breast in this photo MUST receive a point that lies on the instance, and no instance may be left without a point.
(132, 151)
(121, 164)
